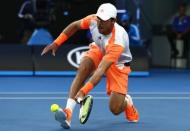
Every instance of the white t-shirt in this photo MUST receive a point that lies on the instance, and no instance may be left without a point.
(120, 37)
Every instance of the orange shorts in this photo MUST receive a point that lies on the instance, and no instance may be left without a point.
(117, 79)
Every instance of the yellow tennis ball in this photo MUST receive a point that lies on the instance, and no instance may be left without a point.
(54, 107)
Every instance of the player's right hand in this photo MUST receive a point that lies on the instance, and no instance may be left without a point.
(52, 47)
(79, 96)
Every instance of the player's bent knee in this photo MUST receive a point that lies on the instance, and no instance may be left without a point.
(115, 111)
(116, 103)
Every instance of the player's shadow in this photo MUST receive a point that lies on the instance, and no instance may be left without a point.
(105, 124)
(110, 126)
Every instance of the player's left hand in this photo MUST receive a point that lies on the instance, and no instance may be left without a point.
(52, 47)
(79, 96)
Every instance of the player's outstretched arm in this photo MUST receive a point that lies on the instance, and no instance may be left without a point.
(65, 34)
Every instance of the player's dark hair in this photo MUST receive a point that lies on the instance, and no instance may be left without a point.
(112, 19)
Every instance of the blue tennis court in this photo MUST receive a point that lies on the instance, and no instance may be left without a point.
(162, 99)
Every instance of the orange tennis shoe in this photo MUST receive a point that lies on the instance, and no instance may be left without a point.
(131, 112)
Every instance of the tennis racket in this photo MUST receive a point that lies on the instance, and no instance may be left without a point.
(85, 109)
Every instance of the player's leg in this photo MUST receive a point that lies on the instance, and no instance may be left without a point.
(117, 85)
(87, 66)
(120, 102)
(86, 105)
(85, 69)
(117, 103)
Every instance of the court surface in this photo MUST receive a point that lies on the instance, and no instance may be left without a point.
(163, 101)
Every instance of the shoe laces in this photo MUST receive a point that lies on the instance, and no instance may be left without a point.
(131, 110)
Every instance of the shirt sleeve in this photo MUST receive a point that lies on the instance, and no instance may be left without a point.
(85, 22)
(113, 52)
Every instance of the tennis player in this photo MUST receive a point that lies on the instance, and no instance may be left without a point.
(109, 54)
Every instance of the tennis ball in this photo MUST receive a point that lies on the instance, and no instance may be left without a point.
(54, 107)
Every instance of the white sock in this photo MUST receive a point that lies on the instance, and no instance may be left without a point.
(71, 104)
(129, 100)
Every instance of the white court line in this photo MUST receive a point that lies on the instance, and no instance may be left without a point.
(150, 93)
(93, 93)
(52, 93)
(41, 93)
(161, 93)
(97, 98)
